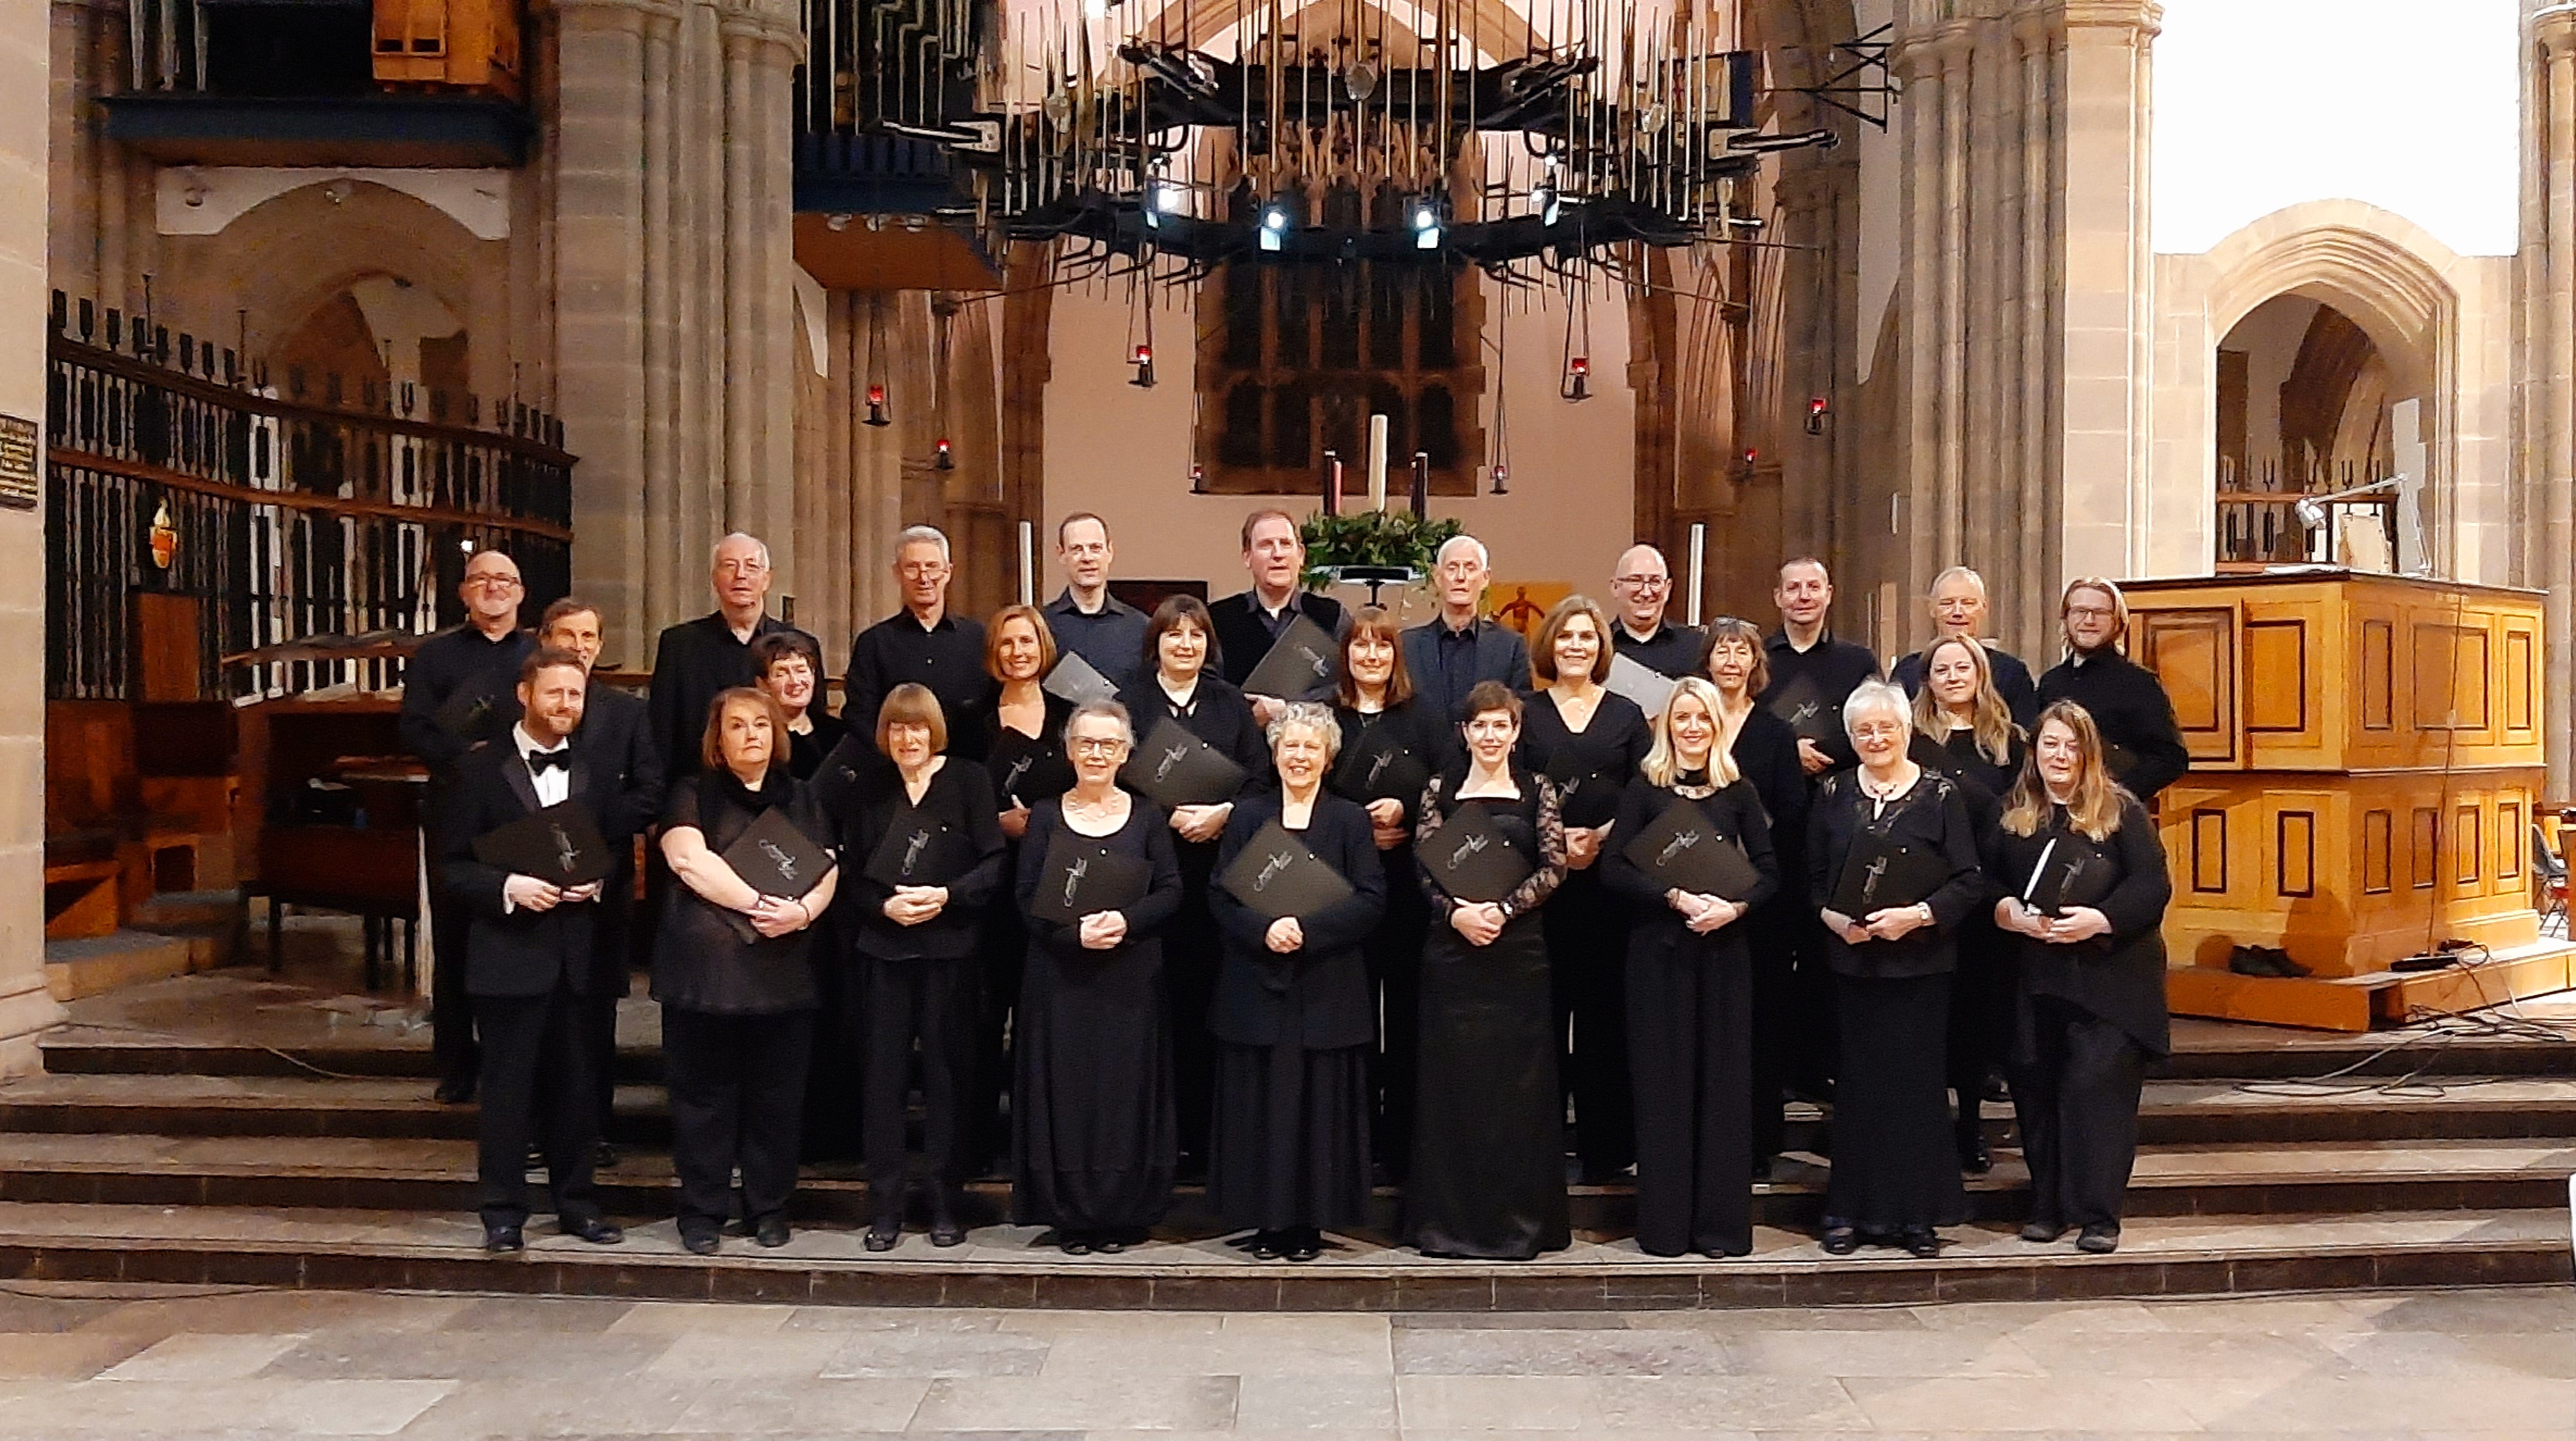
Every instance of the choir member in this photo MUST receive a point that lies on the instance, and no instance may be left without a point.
(1457, 650)
(1488, 1173)
(1894, 1175)
(457, 699)
(789, 665)
(1294, 1018)
(1690, 992)
(1589, 740)
(1813, 672)
(1964, 729)
(1958, 605)
(1247, 623)
(1086, 619)
(616, 742)
(737, 1008)
(915, 945)
(1180, 684)
(923, 642)
(2140, 742)
(695, 659)
(2092, 1004)
(1092, 1124)
(1765, 753)
(1380, 714)
(1643, 586)
(529, 967)
(1024, 755)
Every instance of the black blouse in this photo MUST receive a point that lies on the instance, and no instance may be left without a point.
(1031, 768)
(959, 796)
(1612, 746)
(1316, 996)
(805, 752)
(1147, 834)
(1530, 823)
(2120, 976)
(1217, 714)
(702, 960)
(1419, 728)
(1980, 779)
(1932, 815)
(1734, 809)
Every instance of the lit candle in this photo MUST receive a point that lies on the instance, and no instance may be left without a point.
(1377, 462)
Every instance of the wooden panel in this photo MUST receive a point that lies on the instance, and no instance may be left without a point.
(2209, 851)
(2276, 675)
(2376, 842)
(2424, 853)
(2509, 841)
(2521, 681)
(2378, 675)
(2468, 854)
(2294, 855)
(2194, 653)
(2450, 672)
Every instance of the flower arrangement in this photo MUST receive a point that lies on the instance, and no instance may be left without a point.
(1382, 540)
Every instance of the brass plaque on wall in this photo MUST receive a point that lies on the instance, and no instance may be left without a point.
(21, 482)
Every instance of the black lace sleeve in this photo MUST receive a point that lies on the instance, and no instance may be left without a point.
(1550, 874)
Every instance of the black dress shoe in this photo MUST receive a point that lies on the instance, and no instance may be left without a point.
(2099, 1239)
(604, 1156)
(454, 1091)
(946, 1229)
(1111, 1244)
(502, 1240)
(699, 1243)
(1920, 1241)
(597, 1230)
(1265, 1246)
(1304, 1244)
(2042, 1229)
(772, 1231)
(883, 1233)
(1073, 1243)
(1761, 1170)
(1840, 1240)
(1975, 1159)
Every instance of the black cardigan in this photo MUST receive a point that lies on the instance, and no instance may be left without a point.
(960, 795)
(1932, 814)
(2119, 977)
(1322, 988)
(2129, 705)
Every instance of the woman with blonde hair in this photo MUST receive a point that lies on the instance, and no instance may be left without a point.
(2086, 895)
(1690, 991)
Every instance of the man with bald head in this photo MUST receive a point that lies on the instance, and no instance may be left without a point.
(459, 695)
(698, 658)
(1958, 604)
(1643, 587)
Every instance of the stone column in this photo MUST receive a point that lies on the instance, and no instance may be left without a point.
(26, 1008)
(2545, 360)
(2104, 106)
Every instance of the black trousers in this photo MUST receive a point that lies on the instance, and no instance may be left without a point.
(2076, 1096)
(536, 1084)
(1773, 976)
(737, 1095)
(1001, 954)
(1981, 1016)
(1587, 952)
(932, 1003)
(608, 983)
(1690, 1051)
(451, 1010)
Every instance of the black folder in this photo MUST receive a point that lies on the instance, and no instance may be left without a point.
(2070, 873)
(1277, 875)
(1082, 876)
(1303, 664)
(1031, 776)
(1683, 849)
(920, 850)
(1077, 680)
(1801, 703)
(1881, 875)
(1471, 859)
(1174, 768)
(2119, 760)
(559, 845)
(1380, 767)
(474, 712)
(775, 857)
(1584, 797)
(836, 781)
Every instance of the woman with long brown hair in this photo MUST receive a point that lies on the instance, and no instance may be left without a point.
(2086, 893)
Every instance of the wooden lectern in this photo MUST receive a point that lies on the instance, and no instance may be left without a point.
(2366, 763)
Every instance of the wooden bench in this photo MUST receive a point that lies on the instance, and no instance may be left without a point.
(82, 899)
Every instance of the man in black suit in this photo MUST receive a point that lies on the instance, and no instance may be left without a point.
(1959, 610)
(923, 642)
(457, 699)
(615, 741)
(529, 963)
(2141, 743)
(1450, 654)
(1247, 624)
(697, 658)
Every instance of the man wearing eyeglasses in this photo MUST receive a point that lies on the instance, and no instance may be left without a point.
(923, 642)
(698, 658)
(459, 695)
(1643, 586)
(2140, 741)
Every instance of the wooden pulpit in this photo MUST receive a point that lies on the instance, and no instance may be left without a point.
(2366, 764)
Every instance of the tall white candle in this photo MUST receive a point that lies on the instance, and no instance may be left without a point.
(1028, 564)
(1377, 462)
(1698, 554)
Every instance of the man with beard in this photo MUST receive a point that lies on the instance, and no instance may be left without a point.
(2140, 742)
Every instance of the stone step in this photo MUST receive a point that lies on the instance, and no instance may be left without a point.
(2539, 1040)
(1184, 1270)
(96, 965)
(436, 1175)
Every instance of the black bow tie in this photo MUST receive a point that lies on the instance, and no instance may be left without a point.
(558, 759)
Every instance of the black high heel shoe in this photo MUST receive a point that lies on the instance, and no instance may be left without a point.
(1921, 1242)
(1840, 1240)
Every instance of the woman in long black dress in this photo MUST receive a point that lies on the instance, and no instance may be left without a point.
(1589, 740)
(1091, 1117)
(1765, 752)
(915, 945)
(1963, 729)
(1690, 993)
(1488, 1175)
(2092, 1008)
(1380, 717)
(1895, 1176)
(787, 664)
(1179, 682)
(1293, 1016)
(737, 1013)
(1023, 751)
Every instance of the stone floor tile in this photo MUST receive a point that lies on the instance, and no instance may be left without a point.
(511, 1354)
(1880, 1353)
(730, 1355)
(2549, 1354)
(235, 1408)
(663, 1318)
(269, 1312)
(2408, 1402)
(566, 1406)
(33, 1314)
(1559, 1353)
(193, 1357)
(1338, 1404)
(773, 1407)
(930, 1354)
(1140, 1325)
(2047, 1317)
(2056, 1405)
(1493, 1403)
(1517, 1320)
(1095, 1402)
(1748, 1403)
(2477, 1313)
(2185, 1355)
(1248, 1352)
(887, 1318)
(62, 1355)
(540, 1313)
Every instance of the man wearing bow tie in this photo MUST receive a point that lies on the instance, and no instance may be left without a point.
(529, 961)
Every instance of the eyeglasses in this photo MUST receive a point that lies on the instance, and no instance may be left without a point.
(494, 582)
(2089, 612)
(1095, 746)
(1643, 582)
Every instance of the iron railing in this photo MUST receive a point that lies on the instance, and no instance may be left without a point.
(181, 470)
